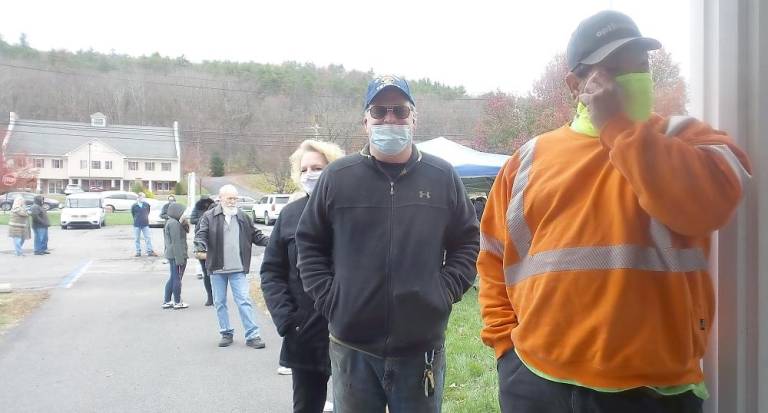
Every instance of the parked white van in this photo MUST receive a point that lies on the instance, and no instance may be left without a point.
(83, 209)
(118, 200)
(269, 206)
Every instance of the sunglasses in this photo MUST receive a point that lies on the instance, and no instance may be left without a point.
(380, 111)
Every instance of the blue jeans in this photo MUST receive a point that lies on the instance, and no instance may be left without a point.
(242, 298)
(366, 383)
(137, 233)
(18, 242)
(173, 285)
(41, 239)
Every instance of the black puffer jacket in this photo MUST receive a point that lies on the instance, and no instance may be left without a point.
(305, 330)
(385, 259)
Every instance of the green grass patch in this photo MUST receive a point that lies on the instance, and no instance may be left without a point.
(471, 382)
(114, 218)
(119, 218)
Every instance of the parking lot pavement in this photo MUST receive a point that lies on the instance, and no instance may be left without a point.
(73, 248)
(104, 344)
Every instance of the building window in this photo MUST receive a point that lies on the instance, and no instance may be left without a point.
(107, 164)
(83, 164)
(39, 163)
(95, 164)
(149, 166)
(57, 163)
(165, 166)
(162, 186)
(133, 166)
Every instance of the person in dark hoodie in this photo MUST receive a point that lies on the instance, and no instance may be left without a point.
(304, 329)
(201, 206)
(175, 234)
(40, 224)
(387, 244)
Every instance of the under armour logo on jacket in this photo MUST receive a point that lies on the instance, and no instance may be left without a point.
(424, 194)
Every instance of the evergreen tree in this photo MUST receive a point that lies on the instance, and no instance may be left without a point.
(217, 165)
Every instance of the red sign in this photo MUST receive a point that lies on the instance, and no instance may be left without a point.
(9, 179)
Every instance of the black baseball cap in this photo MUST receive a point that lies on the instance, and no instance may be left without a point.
(598, 36)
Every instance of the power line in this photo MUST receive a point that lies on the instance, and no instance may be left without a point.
(182, 85)
(265, 141)
(213, 134)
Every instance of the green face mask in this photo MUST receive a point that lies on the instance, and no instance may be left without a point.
(582, 122)
(638, 95)
(638, 103)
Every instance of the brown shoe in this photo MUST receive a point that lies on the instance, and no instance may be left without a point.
(151, 254)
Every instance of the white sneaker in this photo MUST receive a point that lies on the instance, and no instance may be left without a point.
(180, 306)
(167, 305)
(284, 371)
(328, 407)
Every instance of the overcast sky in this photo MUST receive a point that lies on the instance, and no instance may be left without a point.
(483, 45)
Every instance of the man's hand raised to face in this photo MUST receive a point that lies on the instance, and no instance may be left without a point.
(602, 97)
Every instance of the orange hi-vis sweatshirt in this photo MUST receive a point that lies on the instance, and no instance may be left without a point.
(594, 252)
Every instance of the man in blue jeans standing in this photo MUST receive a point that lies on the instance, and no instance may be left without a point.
(140, 212)
(226, 234)
(40, 224)
(387, 243)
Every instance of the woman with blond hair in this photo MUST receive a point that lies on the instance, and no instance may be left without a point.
(18, 225)
(304, 330)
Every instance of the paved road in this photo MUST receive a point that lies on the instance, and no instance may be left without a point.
(105, 345)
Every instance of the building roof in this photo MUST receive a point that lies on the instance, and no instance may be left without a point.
(52, 138)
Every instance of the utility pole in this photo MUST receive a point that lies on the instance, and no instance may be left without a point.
(89, 167)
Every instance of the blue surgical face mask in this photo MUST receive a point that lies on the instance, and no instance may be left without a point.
(391, 139)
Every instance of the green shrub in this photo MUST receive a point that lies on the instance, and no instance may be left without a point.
(138, 186)
(180, 188)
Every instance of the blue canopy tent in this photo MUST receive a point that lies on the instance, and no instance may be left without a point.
(476, 169)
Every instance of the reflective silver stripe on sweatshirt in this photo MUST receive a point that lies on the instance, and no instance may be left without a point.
(607, 258)
(660, 257)
(676, 124)
(491, 245)
(733, 161)
(518, 229)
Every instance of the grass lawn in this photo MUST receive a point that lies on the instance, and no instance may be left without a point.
(114, 218)
(14, 306)
(471, 383)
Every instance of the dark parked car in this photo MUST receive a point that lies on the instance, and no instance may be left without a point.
(6, 200)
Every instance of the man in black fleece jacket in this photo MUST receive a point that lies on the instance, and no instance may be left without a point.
(386, 245)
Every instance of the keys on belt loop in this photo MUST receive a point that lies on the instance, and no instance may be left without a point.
(429, 375)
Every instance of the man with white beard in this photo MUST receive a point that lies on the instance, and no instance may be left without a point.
(226, 235)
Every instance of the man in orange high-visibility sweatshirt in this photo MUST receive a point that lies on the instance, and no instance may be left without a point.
(594, 243)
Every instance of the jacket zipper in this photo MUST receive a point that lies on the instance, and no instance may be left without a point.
(389, 253)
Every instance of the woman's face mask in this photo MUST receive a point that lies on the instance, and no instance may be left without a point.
(309, 180)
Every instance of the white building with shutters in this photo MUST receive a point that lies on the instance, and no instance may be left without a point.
(95, 154)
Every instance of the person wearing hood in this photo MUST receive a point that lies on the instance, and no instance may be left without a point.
(175, 234)
(304, 329)
(40, 224)
(18, 224)
(202, 205)
(164, 210)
